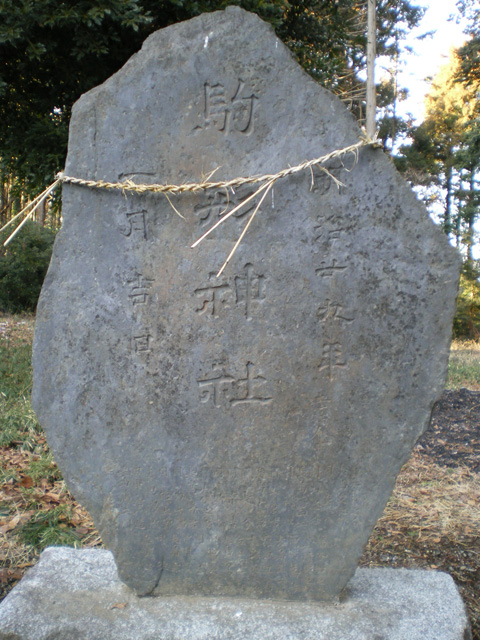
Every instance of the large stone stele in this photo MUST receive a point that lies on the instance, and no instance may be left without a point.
(240, 435)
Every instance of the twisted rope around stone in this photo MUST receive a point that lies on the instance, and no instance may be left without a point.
(266, 182)
(194, 187)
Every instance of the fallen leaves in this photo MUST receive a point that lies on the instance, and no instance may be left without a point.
(26, 482)
(17, 329)
(10, 574)
(23, 501)
(10, 525)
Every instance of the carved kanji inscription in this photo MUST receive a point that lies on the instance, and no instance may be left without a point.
(140, 289)
(223, 389)
(212, 298)
(229, 112)
(214, 204)
(332, 358)
(213, 387)
(249, 388)
(136, 225)
(332, 311)
(142, 342)
(244, 291)
(327, 270)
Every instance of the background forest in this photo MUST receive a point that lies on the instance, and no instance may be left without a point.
(52, 52)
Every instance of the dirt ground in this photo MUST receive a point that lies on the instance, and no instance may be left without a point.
(433, 519)
(453, 438)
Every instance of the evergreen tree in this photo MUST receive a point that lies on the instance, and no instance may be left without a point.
(52, 52)
(444, 155)
(469, 71)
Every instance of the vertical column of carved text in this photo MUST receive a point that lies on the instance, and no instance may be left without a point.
(138, 286)
(230, 112)
(331, 314)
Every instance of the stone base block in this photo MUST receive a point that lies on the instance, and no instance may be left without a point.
(76, 594)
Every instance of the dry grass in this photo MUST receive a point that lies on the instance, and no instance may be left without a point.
(432, 521)
(465, 345)
(464, 365)
(16, 329)
(434, 501)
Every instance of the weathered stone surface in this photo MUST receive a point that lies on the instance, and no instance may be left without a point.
(76, 595)
(240, 435)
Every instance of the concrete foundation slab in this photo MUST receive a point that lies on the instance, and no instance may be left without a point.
(76, 594)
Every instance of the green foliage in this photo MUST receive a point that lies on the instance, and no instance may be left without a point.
(52, 52)
(444, 155)
(19, 426)
(18, 423)
(44, 468)
(466, 323)
(418, 161)
(469, 53)
(23, 266)
(464, 366)
(49, 529)
(5, 476)
(15, 370)
(329, 40)
(389, 124)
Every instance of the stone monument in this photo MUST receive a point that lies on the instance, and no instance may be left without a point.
(236, 436)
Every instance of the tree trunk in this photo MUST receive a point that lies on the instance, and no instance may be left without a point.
(41, 212)
(371, 51)
(447, 217)
(470, 241)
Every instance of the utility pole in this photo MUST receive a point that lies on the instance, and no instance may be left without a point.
(371, 52)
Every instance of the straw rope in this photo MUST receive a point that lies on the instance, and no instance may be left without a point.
(31, 208)
(266, 182)
(194, 187)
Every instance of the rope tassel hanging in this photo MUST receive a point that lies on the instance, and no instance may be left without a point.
(31, 208)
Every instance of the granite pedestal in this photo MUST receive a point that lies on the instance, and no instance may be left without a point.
(77, 595)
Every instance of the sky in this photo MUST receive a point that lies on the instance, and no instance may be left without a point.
(429, 54)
